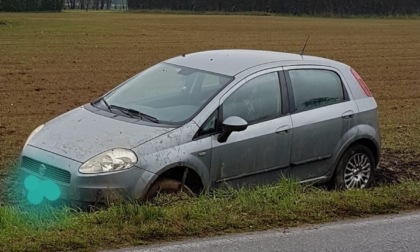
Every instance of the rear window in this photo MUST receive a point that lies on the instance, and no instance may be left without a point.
(313, 88)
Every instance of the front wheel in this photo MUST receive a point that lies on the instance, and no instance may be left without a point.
(355, 169)
(166, 186)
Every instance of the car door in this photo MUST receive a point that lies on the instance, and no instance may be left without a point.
(257, 154)
(323, 117)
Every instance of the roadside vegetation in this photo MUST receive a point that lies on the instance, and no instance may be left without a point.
(284, 205)
(53, 62)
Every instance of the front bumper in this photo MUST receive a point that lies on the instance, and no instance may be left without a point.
(74, 186)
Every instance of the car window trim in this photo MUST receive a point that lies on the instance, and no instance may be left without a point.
(285, 104)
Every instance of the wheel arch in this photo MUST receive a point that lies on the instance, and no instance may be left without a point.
(372, 147)
(369, 142)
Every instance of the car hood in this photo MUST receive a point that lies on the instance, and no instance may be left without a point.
(81, 134)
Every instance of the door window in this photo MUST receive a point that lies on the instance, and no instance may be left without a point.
(255, 101)
(313, 88)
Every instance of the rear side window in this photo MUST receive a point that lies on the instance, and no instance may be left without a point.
(313, 88)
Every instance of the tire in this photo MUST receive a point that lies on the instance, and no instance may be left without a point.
(166, 186)
(355, 170)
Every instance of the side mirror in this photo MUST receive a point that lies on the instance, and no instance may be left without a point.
(231, 124)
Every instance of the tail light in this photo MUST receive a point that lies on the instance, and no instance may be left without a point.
(361, 83)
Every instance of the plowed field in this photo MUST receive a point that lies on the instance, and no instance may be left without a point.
(51, 63)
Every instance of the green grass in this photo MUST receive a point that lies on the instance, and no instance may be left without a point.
(284, 205)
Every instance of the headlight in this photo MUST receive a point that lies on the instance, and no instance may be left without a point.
(33, 134)
(109, 161)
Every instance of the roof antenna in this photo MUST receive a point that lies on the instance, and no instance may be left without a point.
(303, 49)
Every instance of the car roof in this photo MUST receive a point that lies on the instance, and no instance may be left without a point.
(233, 61)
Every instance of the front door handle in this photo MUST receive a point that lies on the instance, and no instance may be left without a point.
(348, 114)
(283, 130)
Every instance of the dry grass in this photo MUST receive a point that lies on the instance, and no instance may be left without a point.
(51, 63)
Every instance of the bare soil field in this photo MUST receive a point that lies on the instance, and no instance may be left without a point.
(51, 63)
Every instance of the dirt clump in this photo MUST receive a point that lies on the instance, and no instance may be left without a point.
(396, 166)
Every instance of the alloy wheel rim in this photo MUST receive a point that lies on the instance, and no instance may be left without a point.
(357, 171)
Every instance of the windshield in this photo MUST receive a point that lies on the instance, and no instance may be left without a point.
(169, 93)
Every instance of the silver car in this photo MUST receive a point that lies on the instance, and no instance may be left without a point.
(201, 120)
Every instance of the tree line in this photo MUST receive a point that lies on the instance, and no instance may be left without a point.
(31, 5)
(95, 4)
(293, 7)
(58, 5)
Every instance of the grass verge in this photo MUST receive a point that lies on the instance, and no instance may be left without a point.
(284, 205)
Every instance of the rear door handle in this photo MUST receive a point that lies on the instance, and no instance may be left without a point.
(348, 114)
(285, 129)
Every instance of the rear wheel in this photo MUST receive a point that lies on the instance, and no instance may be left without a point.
(166, 186)
(355, 168)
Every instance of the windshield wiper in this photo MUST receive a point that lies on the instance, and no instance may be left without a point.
(102, 99)
(132, 113)
(106, 103)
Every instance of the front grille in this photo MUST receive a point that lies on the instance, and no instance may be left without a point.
(50, 172)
